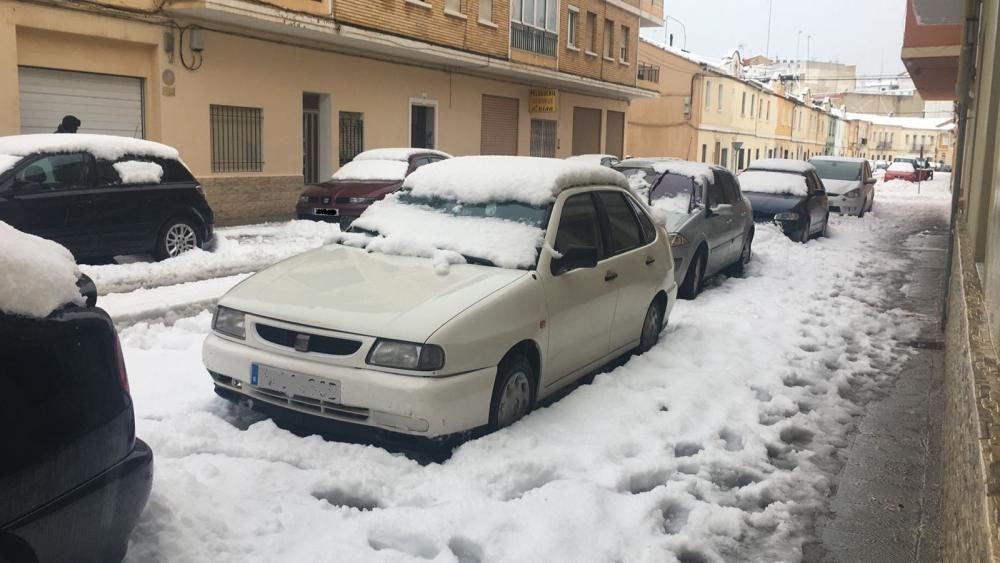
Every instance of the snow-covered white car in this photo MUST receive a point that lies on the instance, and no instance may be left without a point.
(483, 286)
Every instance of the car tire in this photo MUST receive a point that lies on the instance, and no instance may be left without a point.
(825, 232)
(179, 235)
(864, 207)
(804, 235)
(738, 269)
(513, 393)
(694, 278)
(652, 326)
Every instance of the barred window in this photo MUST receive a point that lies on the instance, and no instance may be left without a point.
(651, 73)
(543, 138)
(236, 137)
(352, 135)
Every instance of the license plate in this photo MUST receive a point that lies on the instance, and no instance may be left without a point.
(291, 383)
(331, 212)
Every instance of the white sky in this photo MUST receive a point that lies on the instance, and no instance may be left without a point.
(867, 33)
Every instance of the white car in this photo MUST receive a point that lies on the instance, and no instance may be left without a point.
(483, 286)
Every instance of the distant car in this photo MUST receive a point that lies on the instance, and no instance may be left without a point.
(368, 178)
(849, 183)
(902, 171)
(710, 222)
(102, 195)
(881, 165)
(790, 194)
(923, 170)
(454, 305)
(945, 168)
(609, 160)
(73, 476)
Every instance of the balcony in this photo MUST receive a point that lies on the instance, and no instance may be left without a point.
(932, 43)
(534, 40)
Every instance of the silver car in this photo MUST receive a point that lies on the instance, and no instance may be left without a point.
(710, 222)
(849, 183)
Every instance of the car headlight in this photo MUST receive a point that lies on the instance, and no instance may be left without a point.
(677, 239)
(361, 199)
(787, 216)
(303, 199)
(230, 322)
(856, 192)
(406, 355)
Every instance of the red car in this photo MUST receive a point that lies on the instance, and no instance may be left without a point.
(371, 176)
(922, 168)
(901, 171)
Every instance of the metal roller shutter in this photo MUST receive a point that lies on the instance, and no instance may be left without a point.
(499, 133)
(586, 131)
(106, 104)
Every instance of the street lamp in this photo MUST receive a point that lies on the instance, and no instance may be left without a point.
(770, 9)
(666, 37)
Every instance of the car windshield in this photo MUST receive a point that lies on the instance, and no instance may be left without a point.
(837, 169)
(509, 210)
(640, 179)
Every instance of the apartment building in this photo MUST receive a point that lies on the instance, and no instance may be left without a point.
(891, 137)
(262, 96)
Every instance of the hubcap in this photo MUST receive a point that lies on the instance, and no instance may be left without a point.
(514, 399)
(180, 238)
(652, 328)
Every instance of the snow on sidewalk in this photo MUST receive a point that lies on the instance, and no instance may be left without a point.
(167, 303)
(717, 445)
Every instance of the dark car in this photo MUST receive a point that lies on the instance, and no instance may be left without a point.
(73, 476)
(371, 176)
(101, 196)
(789, 193)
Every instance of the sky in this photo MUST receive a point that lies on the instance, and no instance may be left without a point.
(867, 33)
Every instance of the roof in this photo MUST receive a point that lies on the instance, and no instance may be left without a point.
(857, 160)
(531, 180)
(396, 154)
(108, 147)
(782, 165)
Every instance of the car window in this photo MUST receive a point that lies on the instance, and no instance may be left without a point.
(418, 162)
(624, 232)
(58, 171)
(648, 230)
(106, 174)
(578, 225)
(730, 190)
(714, 192)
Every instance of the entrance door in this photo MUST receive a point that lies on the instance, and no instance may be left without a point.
(543, 138)
(422, 126)
(310, 138)
(499, 126)
(615, 141)
(105, 104)
(586, 131)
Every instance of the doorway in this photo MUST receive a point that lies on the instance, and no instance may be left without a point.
(423, 124)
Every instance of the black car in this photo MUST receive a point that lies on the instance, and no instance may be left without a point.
(73, 194)
(73, 476)
(789, 193)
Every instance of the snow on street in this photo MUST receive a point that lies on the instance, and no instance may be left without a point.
(720, 444)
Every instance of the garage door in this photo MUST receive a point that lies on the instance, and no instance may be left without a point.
(614, 142)
(105, 104)
(499, 133)
(586, 131)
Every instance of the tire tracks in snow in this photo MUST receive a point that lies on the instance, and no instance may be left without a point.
(167, 304)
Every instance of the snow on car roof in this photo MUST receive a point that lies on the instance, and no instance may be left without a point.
(782, 165)
(531, 180)
(701, 173)
(109, 147)
(361, 170)
(396, 154)
(771, 182)
(591, 158)
(901, 166)
(37, 276)
(856, 159)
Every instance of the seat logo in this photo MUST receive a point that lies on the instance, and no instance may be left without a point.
(302, 342)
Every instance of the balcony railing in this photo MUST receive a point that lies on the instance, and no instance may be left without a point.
(532, 39)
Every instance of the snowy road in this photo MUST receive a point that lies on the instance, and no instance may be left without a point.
(718, 445)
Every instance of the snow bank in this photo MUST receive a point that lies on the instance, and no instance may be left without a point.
(396, 154)
(37, 276)
(783, 165)
(415, 230)
(8, 161)
(362, 170)
(701, 174)
(767, 182)
(482, 179)
(108, 147)
(138, 172)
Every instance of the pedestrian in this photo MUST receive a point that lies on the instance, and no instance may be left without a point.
(69, 124)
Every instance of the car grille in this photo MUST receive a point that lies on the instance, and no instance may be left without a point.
(343, 200)
(318, 406)
(316, 343)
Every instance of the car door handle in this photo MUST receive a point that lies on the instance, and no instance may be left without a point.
(650, 260)
(610, 276)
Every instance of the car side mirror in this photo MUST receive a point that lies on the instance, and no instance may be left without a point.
(870, 182)
(574, 258)
(87, 289)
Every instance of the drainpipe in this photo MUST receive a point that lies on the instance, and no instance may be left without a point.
(966, 64)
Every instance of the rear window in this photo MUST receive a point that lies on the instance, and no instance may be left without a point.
(837, 169)
(173, 170)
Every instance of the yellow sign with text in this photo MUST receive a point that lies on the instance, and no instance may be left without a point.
(542, 100)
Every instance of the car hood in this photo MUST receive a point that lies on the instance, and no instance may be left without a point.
(674, 221)
(336, 188)
(770, 204)
(350, 290)
(837, 187)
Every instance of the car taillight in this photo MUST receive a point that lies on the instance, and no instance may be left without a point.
(120, 359)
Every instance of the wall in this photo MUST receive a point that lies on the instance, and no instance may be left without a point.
(594, 65)
(658, 127)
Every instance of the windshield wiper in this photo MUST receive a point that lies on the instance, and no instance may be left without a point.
(354, 229)
(478, 261)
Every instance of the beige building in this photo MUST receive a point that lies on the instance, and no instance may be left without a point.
(262, 96)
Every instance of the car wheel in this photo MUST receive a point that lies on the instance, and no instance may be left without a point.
(694, 278)
(746, 255)
(803, 235)
(864, 207)
(177, 237)
(512, 391)
(652, 325)
(826, 227)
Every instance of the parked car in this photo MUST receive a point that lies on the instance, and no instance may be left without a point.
(73, 476)
(921, 166)
(789, 193)
(102, 195)
(602, 159)
(484, 286)
(709, 221)
(881, 165)
(945, 168)
(849, 183)
(371, 176)
(901, 170)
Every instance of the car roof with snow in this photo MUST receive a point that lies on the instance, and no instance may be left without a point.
(786, 165)
(385, 165)
(857, 159)
(700, 172)
(401, 154)
(40, 275)
(524, 179)
(108, 147)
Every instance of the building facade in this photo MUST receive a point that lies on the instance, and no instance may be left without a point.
(261, 97)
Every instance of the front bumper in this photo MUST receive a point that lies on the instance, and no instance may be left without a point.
(415, 405)
(846, 205)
